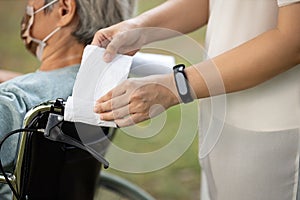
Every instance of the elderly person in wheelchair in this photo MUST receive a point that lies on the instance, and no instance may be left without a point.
(56, 32)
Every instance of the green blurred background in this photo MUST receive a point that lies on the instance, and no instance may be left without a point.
(178, 181)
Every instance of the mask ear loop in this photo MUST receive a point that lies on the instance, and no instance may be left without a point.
(51, 34)
(42, 8)
(45, 6)
(42, 43)
(30, 11)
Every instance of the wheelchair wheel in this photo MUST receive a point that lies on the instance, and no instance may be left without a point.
(112, 187)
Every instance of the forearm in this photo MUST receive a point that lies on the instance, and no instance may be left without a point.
(250, 64)
(7, 75)
(183, 16)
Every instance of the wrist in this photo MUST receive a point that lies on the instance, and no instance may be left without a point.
(133, 23)
(175, 98)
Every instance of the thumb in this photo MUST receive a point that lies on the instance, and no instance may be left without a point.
(113, 48)
(101, 39)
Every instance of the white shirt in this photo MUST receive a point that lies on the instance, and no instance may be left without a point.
(272, 105)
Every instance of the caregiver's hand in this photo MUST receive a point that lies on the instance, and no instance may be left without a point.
(123, 38)
(138, 99)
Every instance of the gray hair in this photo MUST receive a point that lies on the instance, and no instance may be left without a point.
(97, 14)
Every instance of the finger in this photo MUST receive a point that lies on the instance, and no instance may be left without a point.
(113, 47)
(104, 43)
(99, 38)
(103, 107)
(131, 119)
(104, 103)
(112, 104)
(107, 97)
(115, 114)
(115, 92)
(113, 99)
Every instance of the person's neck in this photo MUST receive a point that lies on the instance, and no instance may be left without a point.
(64, 53)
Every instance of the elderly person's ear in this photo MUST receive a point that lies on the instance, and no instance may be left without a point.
(67, 12)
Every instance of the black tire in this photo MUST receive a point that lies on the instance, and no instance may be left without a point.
(112, 187)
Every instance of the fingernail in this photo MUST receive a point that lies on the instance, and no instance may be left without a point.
(107, 57)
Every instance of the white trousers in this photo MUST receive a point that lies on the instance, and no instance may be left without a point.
(251, 165)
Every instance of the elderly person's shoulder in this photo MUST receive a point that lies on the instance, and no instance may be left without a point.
(41, 81)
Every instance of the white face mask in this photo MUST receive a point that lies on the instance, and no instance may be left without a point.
(34, 45)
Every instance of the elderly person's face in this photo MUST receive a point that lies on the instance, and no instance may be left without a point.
(38, 26)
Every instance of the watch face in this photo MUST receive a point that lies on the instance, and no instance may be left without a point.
(181, 83)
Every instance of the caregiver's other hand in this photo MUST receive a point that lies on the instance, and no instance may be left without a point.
(138, 99)
(123, 38)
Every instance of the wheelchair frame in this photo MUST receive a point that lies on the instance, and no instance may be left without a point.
(105, 181)
(14, 176)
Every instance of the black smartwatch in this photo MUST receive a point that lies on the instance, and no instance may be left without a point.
(182, 83)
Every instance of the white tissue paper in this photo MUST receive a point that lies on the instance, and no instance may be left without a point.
(95, 78)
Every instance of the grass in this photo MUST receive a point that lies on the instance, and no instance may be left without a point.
(177, 181)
